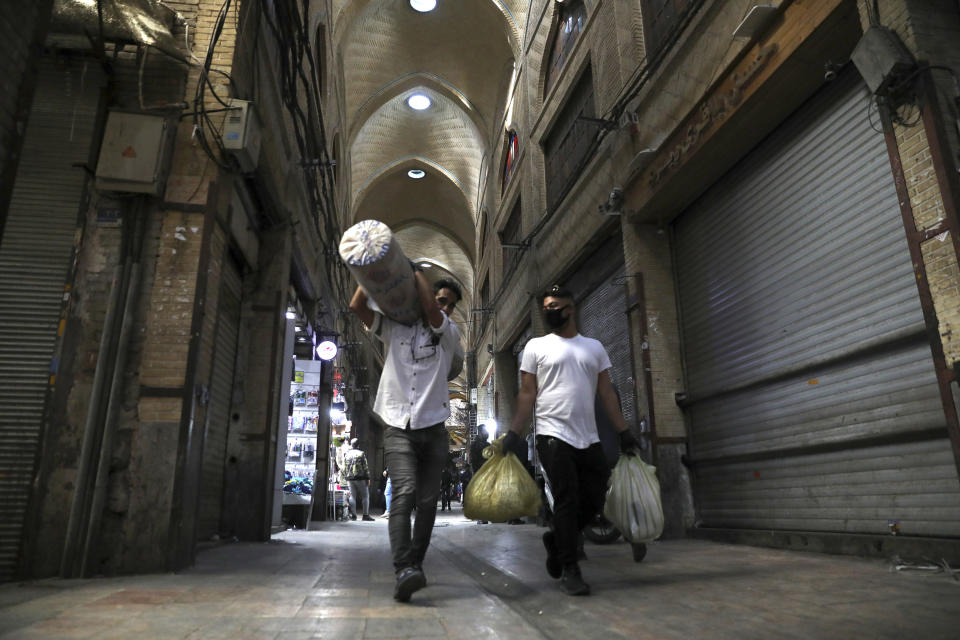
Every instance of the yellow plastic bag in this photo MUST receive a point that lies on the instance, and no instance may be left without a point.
(502, 489)
(633, 500)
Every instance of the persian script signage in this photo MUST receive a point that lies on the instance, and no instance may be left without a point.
(711, 114)
(757, 91)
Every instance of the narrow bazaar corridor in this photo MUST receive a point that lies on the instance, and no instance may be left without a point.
(488, 581)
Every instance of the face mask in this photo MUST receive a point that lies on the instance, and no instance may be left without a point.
(555, 318)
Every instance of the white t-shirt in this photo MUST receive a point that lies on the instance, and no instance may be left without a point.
(566, 370)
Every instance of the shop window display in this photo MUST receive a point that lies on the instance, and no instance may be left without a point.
(303, 425)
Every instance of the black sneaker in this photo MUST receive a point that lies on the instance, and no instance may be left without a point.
(554, 568)
(571, 582)
(419, 567)
(367, 519)
(409, 580)
(639, 551)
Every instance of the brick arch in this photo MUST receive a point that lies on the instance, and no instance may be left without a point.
(513, 12)
(401, 86)
(399, 202)
(445, 138)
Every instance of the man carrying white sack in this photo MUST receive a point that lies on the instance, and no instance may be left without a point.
(561, 373)
(413, 401)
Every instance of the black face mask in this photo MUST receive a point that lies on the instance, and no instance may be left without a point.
(555, 318)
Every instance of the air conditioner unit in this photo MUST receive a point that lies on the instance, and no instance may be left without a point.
(241, 134)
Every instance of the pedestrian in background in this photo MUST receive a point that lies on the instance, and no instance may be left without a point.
(357, 473)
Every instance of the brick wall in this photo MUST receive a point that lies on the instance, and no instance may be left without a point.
(931, 30)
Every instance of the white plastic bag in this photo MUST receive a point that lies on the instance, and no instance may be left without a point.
(633, 500)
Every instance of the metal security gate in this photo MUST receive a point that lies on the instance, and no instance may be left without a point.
(812, 398)
(601, 299)
(221, 396)
(35, 257)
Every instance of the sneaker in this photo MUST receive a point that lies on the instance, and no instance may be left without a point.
(554, 568)
(386, 514)
(571, 582)
(367, 519)
(419, 567)
(639, 551)
(409, 580)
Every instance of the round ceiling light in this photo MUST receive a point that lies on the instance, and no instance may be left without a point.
(423, 6)
(419, 102)
(416, 174)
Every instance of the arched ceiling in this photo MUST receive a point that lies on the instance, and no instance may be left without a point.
(460, 55)
(434, 200)
(425, 245)
(442, 138)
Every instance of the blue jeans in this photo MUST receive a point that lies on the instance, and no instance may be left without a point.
(388, 492)
(415, 458)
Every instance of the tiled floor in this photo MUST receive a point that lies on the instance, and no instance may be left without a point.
(488, 581)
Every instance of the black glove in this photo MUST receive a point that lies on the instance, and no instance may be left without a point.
(629, 445)
(510, 442)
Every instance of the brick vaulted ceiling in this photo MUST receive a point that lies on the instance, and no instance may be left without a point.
(461, 56)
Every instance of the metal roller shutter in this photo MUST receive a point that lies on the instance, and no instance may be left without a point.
(221, 396)
(602, 308)
(813, 400)
(35, 256)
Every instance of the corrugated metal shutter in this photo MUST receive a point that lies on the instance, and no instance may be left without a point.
(35, 257)
(814, 404)
(603, 316)
(602, 308)
(221, 396)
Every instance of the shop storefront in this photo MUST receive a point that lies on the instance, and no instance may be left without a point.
(300, 450)
(599, 286)
(812, 397)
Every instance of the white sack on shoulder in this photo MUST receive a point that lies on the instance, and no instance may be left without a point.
(633, 500)
(375, 259)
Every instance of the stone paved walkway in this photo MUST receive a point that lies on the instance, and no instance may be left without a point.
(488, 581)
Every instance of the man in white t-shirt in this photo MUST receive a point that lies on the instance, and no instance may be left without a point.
(561, 373)
(413, 400)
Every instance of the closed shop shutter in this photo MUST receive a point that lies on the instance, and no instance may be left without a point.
(601, 299)
(36, 251)
(813, 400)
(221, 396)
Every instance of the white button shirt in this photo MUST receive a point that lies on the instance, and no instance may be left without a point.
(413, 386)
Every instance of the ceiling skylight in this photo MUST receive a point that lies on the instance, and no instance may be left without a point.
(423, 6)
(419, 102)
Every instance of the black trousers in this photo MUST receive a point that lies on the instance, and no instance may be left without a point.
(578, 483)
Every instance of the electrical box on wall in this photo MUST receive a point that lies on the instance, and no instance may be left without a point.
(241, 134)
(131, 154)
(881, 58)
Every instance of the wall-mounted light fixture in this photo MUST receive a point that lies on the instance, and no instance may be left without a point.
(614, 204)
(327, 350)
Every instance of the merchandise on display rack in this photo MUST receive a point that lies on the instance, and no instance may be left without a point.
(303, 425)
